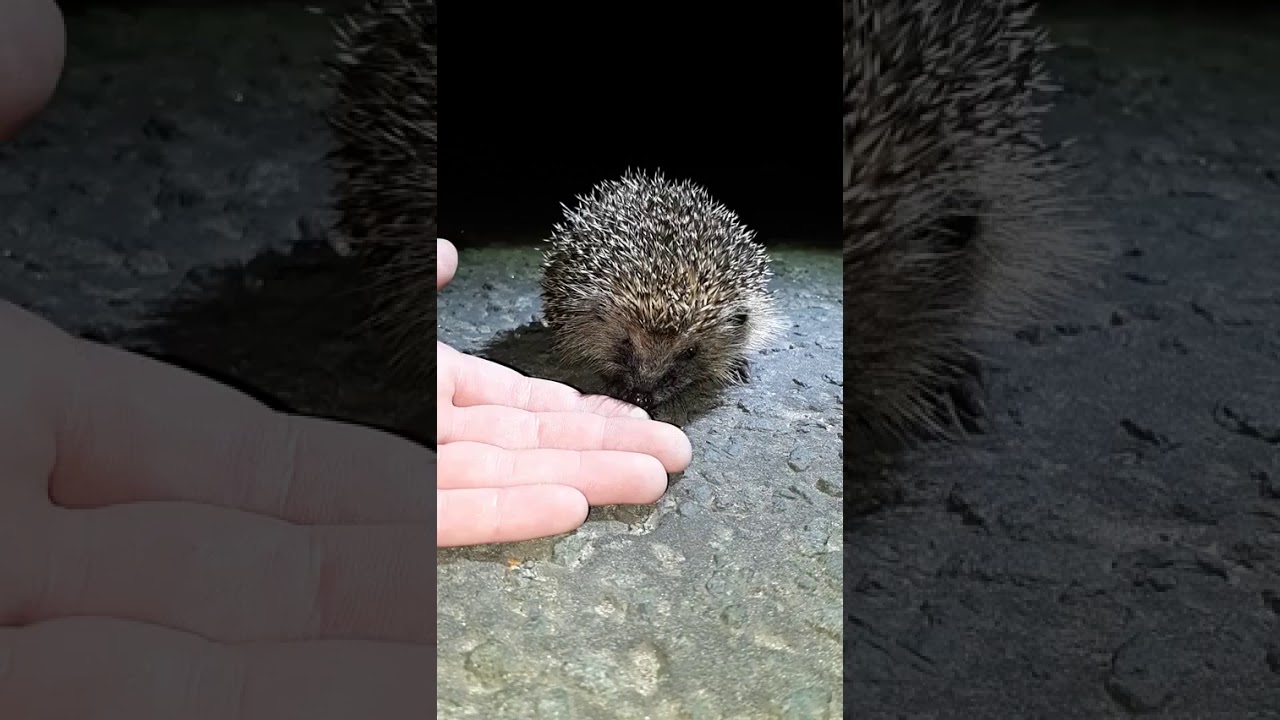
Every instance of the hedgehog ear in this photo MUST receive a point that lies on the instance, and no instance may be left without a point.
(739, 319)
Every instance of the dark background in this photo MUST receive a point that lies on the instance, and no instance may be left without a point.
(541, 101)
(1111, 549)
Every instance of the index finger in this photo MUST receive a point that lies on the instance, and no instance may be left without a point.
(478, 381)
(129, 428)
(446, 262)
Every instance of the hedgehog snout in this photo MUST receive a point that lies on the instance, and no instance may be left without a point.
(649, 392)
(626, 386)
(640, 398)
(644, 392)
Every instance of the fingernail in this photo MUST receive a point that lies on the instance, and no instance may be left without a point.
(639, 413)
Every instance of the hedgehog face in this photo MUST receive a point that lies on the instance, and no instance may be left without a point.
(648, 367)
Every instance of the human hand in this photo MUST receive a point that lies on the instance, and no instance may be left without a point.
(171, 548)
(522, 458)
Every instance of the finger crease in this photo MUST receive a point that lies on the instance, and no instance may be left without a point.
(71, 424)
(603, 425)
(535, 436)
(241, 683)
(506, 465)
(581, 470)
(526, 394)
(292, 449)
(495, 517)
(317, 581)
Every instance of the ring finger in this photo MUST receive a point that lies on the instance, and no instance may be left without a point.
(123, 669)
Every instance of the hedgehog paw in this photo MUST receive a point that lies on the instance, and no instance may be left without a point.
(968, 396)
(741, 373)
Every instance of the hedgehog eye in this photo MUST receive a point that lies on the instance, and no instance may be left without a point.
(958, 232)
(739, 320)
(687, 354)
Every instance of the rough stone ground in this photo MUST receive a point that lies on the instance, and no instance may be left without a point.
(1113, 548)
(178, 139)
(724, 600)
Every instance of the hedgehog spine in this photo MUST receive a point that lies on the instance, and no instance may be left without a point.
(383, 119)
(644, 271)
(953, 220)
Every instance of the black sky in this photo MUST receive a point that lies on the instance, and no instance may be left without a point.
(539, 101)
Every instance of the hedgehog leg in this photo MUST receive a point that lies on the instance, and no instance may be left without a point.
(741, 372)
(968, 395)
(958, 403)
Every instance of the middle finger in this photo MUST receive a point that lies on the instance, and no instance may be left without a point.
(522, 430)
(222, 574)
(604, 477)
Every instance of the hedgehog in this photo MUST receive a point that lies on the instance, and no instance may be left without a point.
(659, 288)
(383, 118)
(953, 222)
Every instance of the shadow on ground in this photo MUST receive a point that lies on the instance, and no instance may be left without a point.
(290, 329)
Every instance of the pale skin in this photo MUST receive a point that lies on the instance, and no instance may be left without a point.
(526, 457)
(171, 548)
